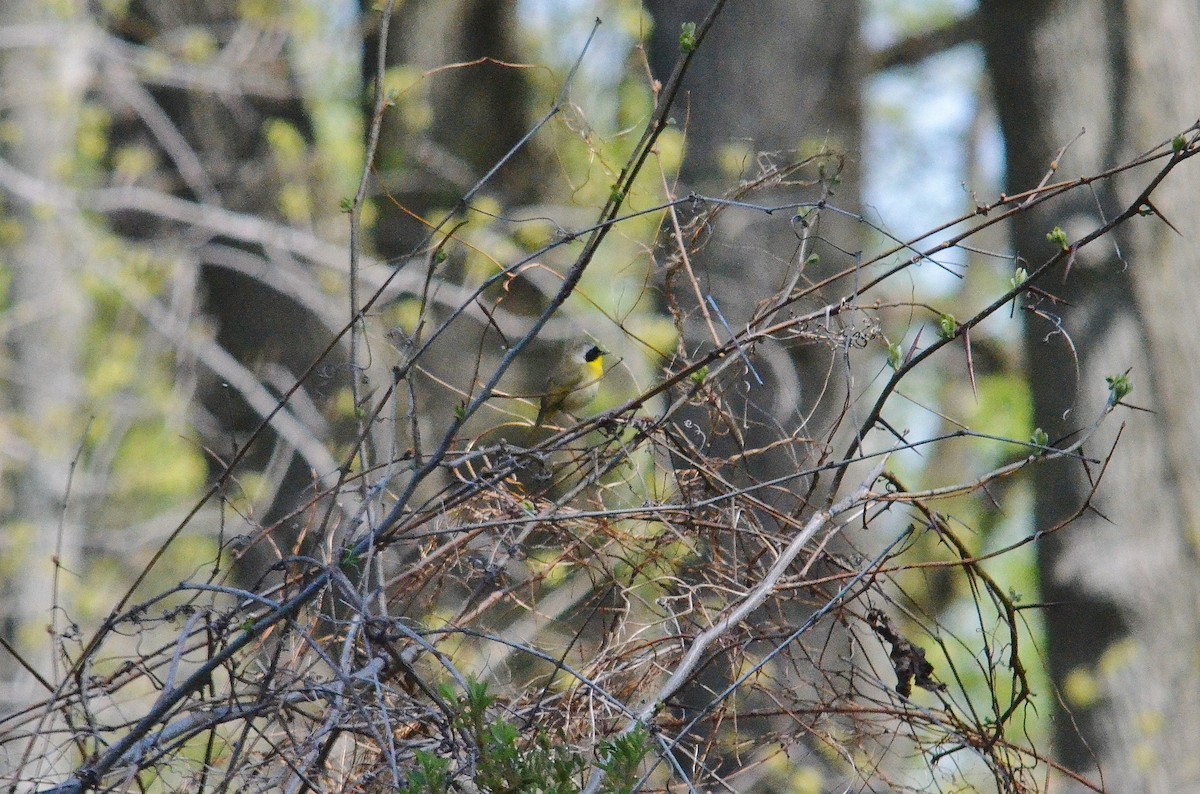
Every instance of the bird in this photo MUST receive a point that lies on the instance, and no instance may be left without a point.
(573, 383)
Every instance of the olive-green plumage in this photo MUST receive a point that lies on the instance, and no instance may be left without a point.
(573, 383)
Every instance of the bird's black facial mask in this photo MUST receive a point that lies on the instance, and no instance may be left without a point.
(592, 354)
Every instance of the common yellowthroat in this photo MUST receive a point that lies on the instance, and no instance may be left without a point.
(573, 383)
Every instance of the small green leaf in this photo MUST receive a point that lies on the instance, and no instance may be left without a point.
(947, 326)
(346, 204)
(1020, 276)
(429, 776)
(895, 355)
(1119, 387)
(440, 256)
(460, 412)
(1058, 237)
(699, 376)
(478, 699)
(1040, 437)
(503, 733)
(687, 37)
(1178, 144)
(621, 757)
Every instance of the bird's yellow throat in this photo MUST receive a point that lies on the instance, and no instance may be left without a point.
(595, 368)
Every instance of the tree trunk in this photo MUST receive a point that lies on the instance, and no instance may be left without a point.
(1120, 583)
(234, 134)
(774, 82)
(47, 319)
(449, 129)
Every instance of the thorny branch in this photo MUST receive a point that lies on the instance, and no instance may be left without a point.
(710, 598)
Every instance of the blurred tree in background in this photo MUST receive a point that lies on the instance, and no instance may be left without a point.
(283, 282)
(1122, 583)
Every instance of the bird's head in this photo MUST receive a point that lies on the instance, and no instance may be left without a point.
(591, 357)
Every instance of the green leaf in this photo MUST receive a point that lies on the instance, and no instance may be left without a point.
(1058, 237)
(894, 355)
(947, 326)
(1119, 387)
(431, 775)
(687, 37)
(620, 759)
(478, 700)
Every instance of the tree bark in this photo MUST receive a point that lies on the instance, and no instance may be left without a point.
(446, 132)
(780, 80)
(1121, 582)
(48, 316)
(229, 131)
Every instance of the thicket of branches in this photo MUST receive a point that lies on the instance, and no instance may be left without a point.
(622, 602)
